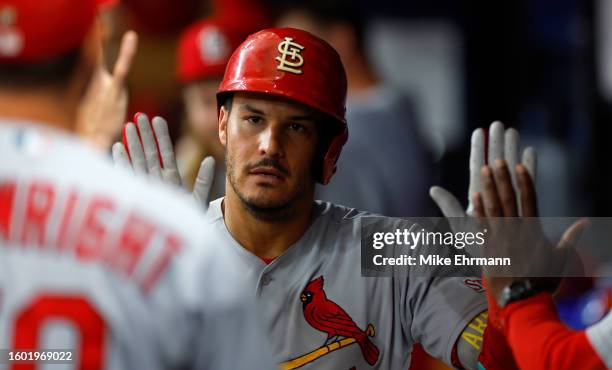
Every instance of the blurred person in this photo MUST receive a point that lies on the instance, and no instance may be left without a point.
(98, 269)
(539, 329)
(540, 340)
(485, 147)
(386, 167)
(537, 336)
(204, 49)
(103, 108)
(282, 123)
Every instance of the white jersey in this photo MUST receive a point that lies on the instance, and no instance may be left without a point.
(322, 314)
(118, 269)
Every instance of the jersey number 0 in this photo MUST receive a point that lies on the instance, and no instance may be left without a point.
(75, 309)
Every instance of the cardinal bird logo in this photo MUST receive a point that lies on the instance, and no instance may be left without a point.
(325, 315)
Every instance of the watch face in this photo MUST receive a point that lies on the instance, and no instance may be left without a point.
(519, 287)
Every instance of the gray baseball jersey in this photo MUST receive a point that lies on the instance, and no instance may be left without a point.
(118, 269)
(322, 314)
(600, 336)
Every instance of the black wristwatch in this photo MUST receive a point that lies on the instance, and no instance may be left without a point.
(517, 290)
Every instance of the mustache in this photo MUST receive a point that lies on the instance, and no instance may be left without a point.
(269, 162)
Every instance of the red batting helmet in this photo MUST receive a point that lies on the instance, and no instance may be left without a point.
(296, 65)
(34, 30)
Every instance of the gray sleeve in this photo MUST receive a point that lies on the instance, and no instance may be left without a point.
(600, 336)
(441, 308)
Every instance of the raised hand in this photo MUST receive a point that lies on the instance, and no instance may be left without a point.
(147, 149)
(103, 109)
(533, 256)
(503, 144)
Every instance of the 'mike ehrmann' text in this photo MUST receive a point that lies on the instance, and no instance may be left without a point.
(412, 239)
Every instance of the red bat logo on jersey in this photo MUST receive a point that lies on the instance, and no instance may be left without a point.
(325, 315)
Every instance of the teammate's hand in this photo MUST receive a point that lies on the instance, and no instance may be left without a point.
(103, 109)
(532, 254)
(503, 144)
(147, 148)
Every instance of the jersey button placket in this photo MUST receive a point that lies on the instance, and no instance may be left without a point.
(266, 280)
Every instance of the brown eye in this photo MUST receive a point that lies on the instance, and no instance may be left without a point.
(297, 127)
(254, 119)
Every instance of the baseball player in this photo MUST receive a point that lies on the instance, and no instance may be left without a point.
(282, 124)
(91, 273)
(204, 49)
(538, 338)
(361, 182)
(103, 108)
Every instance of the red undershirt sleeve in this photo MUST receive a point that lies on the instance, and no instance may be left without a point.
(540, 341)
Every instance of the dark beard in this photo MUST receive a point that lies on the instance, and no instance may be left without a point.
(269, 213)
(279, 213)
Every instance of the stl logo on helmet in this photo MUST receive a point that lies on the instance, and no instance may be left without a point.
(213, 45)
(290, 49)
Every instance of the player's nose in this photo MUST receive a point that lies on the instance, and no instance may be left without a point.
(270, 142)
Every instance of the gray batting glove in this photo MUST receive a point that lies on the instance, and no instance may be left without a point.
(503, 144)
(148, 150)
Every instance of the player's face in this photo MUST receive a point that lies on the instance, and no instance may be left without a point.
(201, 109)
(270, 146)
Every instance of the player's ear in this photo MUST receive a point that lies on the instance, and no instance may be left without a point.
(223, 117)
